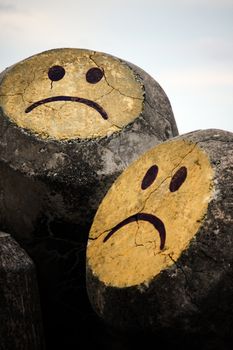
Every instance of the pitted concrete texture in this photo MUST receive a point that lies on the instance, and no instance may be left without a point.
(150, 214)
(71, 93)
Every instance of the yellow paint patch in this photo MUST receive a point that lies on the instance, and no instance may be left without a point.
(118, 93)
(132, 255)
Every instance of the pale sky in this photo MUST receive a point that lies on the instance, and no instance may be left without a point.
(186, 45)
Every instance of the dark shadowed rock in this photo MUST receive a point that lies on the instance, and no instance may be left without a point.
(20, 314)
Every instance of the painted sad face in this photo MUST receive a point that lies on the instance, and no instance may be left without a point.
(71, 93)
(150, 214)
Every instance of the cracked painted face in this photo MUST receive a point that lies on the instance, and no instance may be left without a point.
(150, 214)
(71, 93)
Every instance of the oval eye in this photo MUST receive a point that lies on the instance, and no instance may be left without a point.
(178, 179)
(94, 75)
(56, 73)
(149, 177)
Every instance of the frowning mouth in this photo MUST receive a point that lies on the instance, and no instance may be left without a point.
(85, 101)
(152, 219)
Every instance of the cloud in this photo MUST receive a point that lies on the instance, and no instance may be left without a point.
(198, 78)
(210, 3)
(16, 24)
(216, 48)
(7, 6)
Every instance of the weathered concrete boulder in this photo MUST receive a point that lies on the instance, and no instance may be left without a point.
(159, 255)
(20, 314)
(70, 121)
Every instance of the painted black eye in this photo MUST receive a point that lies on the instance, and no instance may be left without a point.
(149, 177)
(94, 75)
(56, 73)
(178, 179)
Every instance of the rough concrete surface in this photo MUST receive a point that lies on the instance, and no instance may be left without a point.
(20, 315)
(71, 121)
(190, 300)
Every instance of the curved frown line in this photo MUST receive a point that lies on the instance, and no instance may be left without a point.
(152, 219)
(85, 101)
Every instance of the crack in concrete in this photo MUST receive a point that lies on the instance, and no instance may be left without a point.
(51, 87)
(170, 176)
(161, 115)
(13, 95)
(99, 99)
(101, 234)
(108, 93)
(150, 126)
(136, 233)
(21, 94)
(113, 87)
(209, 256)
(187, 285)
(152, 192)
(29, 83)
(61, 106)
(155, 109)
(91, 57)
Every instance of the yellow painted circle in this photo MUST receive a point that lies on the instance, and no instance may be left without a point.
(71, 93)
(150, 214)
